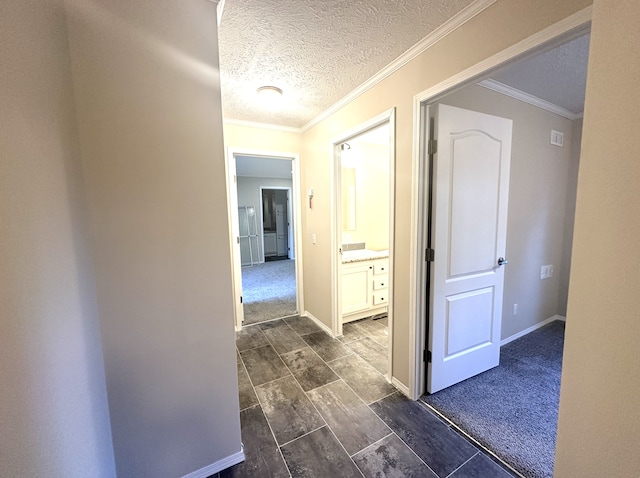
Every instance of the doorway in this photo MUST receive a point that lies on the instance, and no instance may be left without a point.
(546, 150)
(363, 222)
(263, 190)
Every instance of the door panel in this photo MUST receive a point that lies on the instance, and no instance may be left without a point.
(469, 218)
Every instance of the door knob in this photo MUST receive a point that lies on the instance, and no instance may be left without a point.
(502, 261)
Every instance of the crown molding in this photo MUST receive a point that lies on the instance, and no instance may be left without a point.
(431, 39)
(527, 98)
(273, 127)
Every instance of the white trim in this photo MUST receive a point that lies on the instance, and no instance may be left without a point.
(274, 127)
(400, 386)
(575, 23)
(220, 8)
(427, 42)
(296, 202)
(217, 466)
(528, 330)
(318, 322)
(525, 97)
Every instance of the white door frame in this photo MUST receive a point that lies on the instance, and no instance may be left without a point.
(565, 30)
(336, 222)
(290, 219)
(232, 201)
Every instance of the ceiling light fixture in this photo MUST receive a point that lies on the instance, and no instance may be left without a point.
(269, 95)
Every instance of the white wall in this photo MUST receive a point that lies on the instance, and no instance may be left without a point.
(249, 195)
(149, 117)
(540, 205)
(54, 419)
(599, 423)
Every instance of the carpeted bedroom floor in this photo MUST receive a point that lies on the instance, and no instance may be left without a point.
(269, 291)
(513, 409)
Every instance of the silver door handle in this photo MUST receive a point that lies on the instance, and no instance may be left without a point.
(502, 261)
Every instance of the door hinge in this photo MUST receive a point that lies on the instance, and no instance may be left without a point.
(429, 255)
(426, 356)
(432, 146)
(241, 299)
(238, 238)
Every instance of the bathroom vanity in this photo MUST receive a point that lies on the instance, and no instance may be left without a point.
(365, 276)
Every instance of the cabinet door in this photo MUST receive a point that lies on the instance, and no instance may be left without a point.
(356, 287)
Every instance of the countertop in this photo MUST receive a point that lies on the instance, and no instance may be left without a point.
(363, 255)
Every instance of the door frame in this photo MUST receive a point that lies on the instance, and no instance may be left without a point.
(290, 219)
(387, 116)
(232, 202)
(556, 34)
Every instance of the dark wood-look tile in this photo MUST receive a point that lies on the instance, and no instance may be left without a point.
(262, 456)
(284, 339)
(300, 359)
(481, 466)
(249, 338)
(375, 330)
(372, 352)
(272, 324)
(391, 458)
(302, 325)
(263, 365)
(328, 348)
(351, 332)
(245, 389)
(350, 419)
(288, 409)
(442, 449)
(365, 380)
(319, 454)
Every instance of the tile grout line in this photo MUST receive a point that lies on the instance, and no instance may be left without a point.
(374, 443)
(467, 461)
(303, 435)
(475, 442)
(266, 419)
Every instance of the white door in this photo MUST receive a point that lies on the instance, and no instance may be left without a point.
(469, 226)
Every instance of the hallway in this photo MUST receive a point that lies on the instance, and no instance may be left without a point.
(314, 406)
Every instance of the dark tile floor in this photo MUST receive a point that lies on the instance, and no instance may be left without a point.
(314, 406)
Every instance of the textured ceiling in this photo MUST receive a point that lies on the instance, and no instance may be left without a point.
(558, 76)
(316, 51)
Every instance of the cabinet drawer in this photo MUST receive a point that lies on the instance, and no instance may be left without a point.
(381, 282)
(380, 297)
(381, 267)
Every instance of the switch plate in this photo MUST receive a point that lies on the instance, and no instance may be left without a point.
(546, 272)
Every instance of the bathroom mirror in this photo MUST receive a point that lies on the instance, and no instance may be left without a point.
(349, 199)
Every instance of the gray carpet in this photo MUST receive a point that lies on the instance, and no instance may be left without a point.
(513, 408)
(268, 291)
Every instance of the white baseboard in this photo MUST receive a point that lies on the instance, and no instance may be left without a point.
(217, 466)
(528, 330)
(318, 322)
(400, 386)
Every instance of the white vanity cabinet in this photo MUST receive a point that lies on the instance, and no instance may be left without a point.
(364, 288)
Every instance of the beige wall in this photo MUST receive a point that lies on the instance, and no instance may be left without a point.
(500, 26)
(147, 94)
(538, 205)
(54, 419)
(248, 137)
(599, 423)
(371, 162)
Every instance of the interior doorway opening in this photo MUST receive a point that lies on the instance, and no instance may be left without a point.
(263, 192)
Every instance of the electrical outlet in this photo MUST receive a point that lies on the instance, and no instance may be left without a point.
(515, 309)
(313, 238)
